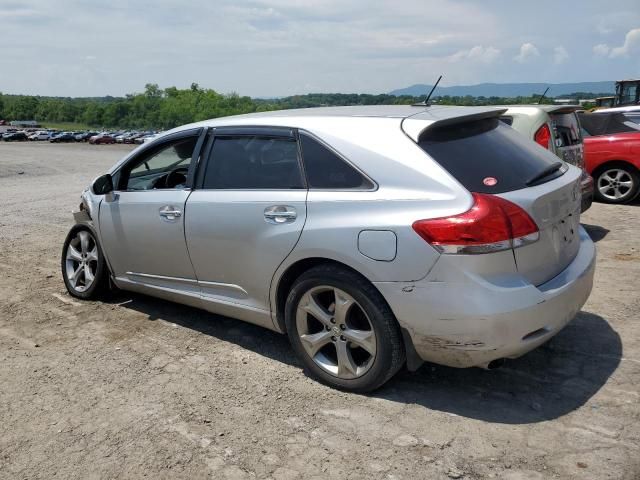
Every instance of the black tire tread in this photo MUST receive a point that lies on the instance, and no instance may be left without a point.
(391, 329)
(100, 287)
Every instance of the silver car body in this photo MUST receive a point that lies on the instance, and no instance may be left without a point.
(221, 253)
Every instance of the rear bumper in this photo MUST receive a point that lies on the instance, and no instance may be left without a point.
(469, 320)
(586, 188)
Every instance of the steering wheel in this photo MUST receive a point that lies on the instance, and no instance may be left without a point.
(176, 177)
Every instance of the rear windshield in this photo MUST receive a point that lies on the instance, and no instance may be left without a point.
(566, 128)
(596, 124)
(487, 156)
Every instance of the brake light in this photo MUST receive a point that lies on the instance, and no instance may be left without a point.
(492, 224)
(543, 136)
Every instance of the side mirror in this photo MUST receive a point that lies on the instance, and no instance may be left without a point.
(103, 185)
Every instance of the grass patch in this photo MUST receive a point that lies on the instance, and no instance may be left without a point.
(70, 126)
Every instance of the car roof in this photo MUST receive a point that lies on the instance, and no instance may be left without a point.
(303, 117)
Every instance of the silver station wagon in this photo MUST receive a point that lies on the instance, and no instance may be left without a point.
(374, 237)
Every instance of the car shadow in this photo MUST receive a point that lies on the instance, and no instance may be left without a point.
(596, 232)
(547, 383)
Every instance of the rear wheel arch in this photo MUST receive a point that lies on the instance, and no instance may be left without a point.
(613, 163)
(293, 272)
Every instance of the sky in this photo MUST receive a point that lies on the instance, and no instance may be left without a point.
(286, 47)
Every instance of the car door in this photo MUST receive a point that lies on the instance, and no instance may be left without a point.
(142, 221)
(245, 217)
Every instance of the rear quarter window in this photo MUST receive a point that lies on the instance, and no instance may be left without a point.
(326, 170)
(487, 156)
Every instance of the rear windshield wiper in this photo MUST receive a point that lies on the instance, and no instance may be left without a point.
(544, 173)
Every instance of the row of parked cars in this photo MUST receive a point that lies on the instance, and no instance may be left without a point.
(93, 137)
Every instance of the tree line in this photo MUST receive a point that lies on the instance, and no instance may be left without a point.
(166, 108)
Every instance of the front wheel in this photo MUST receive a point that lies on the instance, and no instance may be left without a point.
(343, 330)
(617, 183)
(84, 270)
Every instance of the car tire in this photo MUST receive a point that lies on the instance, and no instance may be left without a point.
(616, 183)
(358, 347)
(82, 256)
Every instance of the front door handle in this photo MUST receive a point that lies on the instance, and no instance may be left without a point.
(280, 214)
(170, 213)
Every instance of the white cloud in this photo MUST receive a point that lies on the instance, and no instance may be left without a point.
(601, 50)
(478, 53)
(560, 55)
(631, 45)
(527, 52)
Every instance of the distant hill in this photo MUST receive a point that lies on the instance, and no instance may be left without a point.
(508, 89)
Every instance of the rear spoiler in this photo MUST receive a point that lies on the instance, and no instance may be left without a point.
(563, 108)
(415, 125)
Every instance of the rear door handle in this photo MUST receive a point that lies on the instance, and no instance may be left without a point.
(280, 214)
(170, 213)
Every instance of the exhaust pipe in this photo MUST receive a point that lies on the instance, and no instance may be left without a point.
(493, 364)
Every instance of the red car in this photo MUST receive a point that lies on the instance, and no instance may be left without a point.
(612, 155)
(102, 138)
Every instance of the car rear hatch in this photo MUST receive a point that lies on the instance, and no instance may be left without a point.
(567, 135)
(492, 160)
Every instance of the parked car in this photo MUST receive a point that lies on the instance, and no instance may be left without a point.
(372, 236)
(147, 138)
(39, 136)
(102, 138)
(63, 137)
(556, 128)
(131, 138)
(15, 137)
(120, 138)
(84, 136)
(632, 112)
(612, 154)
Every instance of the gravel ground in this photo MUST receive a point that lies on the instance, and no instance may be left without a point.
(139, 387)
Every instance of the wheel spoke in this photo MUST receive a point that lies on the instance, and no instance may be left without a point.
(313, 342)
(362, 338)
(310, 305)
(626, 183)
(343, 304)
(88, 275)
(346, 366)
(93, 254)
(619, 174)
(73, 254)
(76, 275)
(84, 242)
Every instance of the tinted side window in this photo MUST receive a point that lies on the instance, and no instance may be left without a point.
(476, 153)
(253, 162)
(325, 169)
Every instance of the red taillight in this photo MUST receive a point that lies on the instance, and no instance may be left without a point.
(543, 136)
(492, 224)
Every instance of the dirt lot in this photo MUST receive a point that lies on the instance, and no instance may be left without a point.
(139, 387)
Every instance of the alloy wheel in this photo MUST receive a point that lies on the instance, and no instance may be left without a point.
(615, 184)
(336, 332)
(81, 261)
